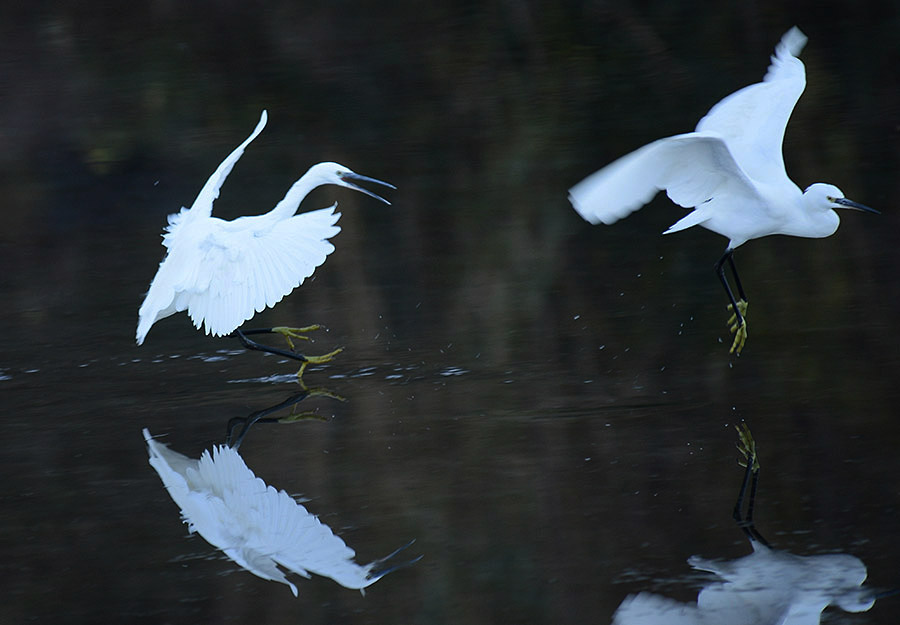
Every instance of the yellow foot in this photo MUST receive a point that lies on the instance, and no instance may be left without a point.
(742, 305)
(738, 328)
(747, 446)
(317, 360)
(294, 417)
(318, 391)
(295, 333)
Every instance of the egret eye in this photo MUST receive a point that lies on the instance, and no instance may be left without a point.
(829, 198)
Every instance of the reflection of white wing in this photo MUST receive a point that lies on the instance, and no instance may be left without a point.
(767, 587)
(256, 525)
(648, 609)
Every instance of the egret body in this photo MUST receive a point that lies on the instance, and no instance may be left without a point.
(223, 272)
(730, 171)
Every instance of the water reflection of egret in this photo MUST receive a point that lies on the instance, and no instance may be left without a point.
(255, 525)
(767, 587)
(730, 171)
(262, 416)
(223, 272)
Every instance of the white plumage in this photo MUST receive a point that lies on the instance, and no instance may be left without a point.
(223, 272)
(767, 587)
(730, 171)
(255, 525)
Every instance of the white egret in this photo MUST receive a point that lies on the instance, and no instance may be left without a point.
(730, 171)
(767, 587)
(255, 525)
(223, 272)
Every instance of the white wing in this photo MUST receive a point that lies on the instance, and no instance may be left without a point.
(692, 168)
(244, 270)
(223, 272)
(210, 190)
(752, 121)
(202, 206)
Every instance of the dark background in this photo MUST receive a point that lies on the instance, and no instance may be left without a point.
(546, 406)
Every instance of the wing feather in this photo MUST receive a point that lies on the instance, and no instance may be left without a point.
(692, 168)
(249, 264)
(753, 120)
(210, 190)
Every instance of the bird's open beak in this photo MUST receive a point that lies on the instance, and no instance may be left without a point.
(845, 203)
(350, 179)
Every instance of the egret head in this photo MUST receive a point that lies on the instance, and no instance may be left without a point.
(828, 196)
(334, 173)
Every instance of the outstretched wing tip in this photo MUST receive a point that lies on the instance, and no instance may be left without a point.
(793, 41)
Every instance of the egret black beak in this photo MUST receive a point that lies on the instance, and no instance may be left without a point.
(350, 179)
(845, 203)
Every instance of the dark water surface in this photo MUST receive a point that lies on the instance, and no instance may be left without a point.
(547, 407)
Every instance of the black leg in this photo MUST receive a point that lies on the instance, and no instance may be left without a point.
(251, 344)
(738, 321)
(737, 280)
(720, 271)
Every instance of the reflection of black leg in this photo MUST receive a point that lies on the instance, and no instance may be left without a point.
(736, 513)
(751, 478)
(251, 344)
(720, 270)
(256, 417)
(753, 486)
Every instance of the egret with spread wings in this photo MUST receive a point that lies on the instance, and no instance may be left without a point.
(730, 171)
(223, 272)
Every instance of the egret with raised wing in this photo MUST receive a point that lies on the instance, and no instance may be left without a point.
(223, 272)
(730, 171)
